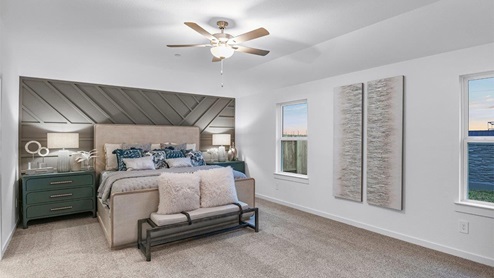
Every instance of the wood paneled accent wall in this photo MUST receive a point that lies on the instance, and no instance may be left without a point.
(66, 106)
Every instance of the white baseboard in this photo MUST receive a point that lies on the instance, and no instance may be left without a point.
(403, 237)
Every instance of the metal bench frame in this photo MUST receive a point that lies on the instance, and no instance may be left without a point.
(145, 244)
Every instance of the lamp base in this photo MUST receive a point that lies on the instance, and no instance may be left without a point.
(63, 162)
(221, 154)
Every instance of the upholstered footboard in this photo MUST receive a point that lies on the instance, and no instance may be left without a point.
(120, 221)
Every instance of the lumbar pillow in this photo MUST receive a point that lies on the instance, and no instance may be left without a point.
(178, 162)
(141, 163)
(217, 187)
(110, 158)
(178, 192)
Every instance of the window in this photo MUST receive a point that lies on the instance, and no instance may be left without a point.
(478, 142)
(292, 138)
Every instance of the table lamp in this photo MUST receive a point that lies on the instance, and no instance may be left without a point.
(221, 139)
(62, 141)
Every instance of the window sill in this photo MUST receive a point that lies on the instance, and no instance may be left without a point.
(475, 209)
(292, 177)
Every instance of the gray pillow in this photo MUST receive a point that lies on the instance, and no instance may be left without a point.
(144, 147)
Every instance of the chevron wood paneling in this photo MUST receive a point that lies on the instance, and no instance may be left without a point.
(65, 106)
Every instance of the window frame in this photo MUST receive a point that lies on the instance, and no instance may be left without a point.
(279, 173)
(465, 140)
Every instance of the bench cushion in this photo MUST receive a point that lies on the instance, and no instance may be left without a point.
(167, 219)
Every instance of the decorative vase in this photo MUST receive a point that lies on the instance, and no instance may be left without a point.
(234, 152)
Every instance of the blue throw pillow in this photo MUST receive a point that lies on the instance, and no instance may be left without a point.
(174, 154)
(196, 157)
(126, 153)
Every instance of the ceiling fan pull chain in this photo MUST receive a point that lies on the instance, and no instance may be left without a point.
(221, 73)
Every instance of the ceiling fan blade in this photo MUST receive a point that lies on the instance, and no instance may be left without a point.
(216, 59)
(188, 45)
(200, 30)
(254, 34)
(251, 50)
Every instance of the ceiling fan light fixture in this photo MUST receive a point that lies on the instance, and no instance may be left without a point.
(222, 51)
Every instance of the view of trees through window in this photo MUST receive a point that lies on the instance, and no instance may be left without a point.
(294, 138)
(480, 147)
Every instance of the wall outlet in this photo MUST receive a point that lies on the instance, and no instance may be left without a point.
(463, 226)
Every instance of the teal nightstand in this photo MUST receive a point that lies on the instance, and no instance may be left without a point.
(55, 194)
(236, 165)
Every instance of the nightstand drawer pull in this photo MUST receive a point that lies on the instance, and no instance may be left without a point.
(61, 208)
(61, 195)
(60, 182)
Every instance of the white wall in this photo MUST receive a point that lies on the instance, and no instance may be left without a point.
(431, 153)
(1, 76)
(9, 130)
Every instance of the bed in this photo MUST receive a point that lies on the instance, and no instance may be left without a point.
(119, 219)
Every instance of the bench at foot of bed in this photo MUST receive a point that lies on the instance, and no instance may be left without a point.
(193, 224)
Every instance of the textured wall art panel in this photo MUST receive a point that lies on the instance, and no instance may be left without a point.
(65, 106)
(385, 142)
(347, 142)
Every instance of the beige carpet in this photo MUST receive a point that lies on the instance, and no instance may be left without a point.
(290, 244)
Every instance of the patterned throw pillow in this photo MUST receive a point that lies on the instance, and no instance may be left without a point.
(126, 153)
(174, 154)
(159, 157)
(196, 157)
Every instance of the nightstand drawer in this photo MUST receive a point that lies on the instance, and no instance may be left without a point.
(54, 182)
(59, 208)
(58, 195)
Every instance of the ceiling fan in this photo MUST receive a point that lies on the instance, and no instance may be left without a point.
(223, 45)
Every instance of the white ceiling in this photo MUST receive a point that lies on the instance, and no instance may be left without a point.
(309, 39)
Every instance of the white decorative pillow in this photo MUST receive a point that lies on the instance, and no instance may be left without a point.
(190, 147)
(141, 163)
(217, 187)
(178, 192)
(110, 158)
(179, 162)
(156, 146)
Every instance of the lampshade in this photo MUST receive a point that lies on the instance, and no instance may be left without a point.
(63, 140)
(221, 139)
(222, 51)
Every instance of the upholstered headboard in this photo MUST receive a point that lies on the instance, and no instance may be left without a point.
(114, 133)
